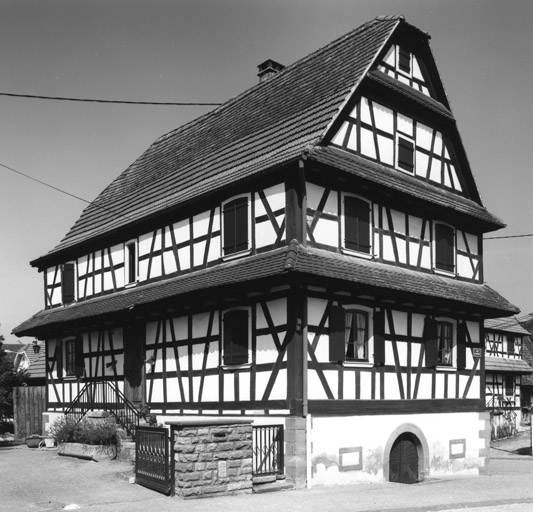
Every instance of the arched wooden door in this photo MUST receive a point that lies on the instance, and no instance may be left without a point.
(403, 460)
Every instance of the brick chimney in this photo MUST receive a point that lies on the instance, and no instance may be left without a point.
(268, 68)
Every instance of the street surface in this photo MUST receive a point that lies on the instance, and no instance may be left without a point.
(40, 480)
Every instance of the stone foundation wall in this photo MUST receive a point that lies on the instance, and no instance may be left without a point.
(212, 457)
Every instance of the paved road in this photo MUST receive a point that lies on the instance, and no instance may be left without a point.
(41, 480)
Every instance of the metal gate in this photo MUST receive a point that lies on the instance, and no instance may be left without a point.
(153, 466)
(267, 456)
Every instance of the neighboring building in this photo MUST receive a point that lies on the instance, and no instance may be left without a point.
(310, 254)
(505, 368)
(526, 321)
(31, 358)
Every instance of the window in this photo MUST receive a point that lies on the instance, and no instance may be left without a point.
(444, 248)
(404, 60)
(235, 228)
(70, 357)
(510, 344)
(405, 154)
(357, 224)
(445, 343)
(509, 385)
(130, 262)
(356, 335)
(235, 337)
(68, 283)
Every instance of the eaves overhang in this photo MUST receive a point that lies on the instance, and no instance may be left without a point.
(292, 263)
(401, 184)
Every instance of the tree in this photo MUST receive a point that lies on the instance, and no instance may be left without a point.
(9, 379)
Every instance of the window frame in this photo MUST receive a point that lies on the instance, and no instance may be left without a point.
(69, 358)
(452, 326)
(369, 254)
(403, 50)
(367, 312)
(223, 232)
(74, 292)
(410, 140)
(223, 348)
(436, 261)
(510, 342)
(506, 380)
(127, 263)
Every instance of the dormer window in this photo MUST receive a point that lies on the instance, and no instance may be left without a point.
(130, 262)
(236, 226)
(404, 60)
(405, 154)
(68, 283)
(444, 248)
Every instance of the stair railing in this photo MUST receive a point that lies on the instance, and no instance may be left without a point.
(105, 396)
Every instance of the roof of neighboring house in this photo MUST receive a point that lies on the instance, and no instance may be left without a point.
(506, 324)
(270, 124)
(501, 364)
(314, 263)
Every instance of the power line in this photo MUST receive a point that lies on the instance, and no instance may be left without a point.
(44, 183)
(60, 98)
(122, 214)
(62, 191)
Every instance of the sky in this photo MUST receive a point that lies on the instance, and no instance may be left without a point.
(208, 51)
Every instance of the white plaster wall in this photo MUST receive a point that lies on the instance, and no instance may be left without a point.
(371, 433)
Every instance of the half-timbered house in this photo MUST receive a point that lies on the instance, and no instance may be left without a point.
(307, 254)
(505, 368)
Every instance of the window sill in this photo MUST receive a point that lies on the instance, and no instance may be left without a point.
(444, 272)
(131, 285)
(236, 255)
(233, 367)
(351, 252)
(442, 368)
(357, 364)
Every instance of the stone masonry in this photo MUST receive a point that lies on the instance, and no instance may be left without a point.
(212, 457)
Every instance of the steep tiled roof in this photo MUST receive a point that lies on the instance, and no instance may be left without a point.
(501, 364)
(401, 182)
(506, 324)
(268, 124)
(294, 258)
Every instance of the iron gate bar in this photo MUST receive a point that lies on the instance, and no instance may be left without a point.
(152, 459)
(267, 450)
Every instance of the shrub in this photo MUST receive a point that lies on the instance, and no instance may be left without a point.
(95, 432)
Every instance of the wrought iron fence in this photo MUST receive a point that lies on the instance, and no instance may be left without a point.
(152, 459)
(267, 450)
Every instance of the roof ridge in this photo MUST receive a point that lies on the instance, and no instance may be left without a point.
(283, 72)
